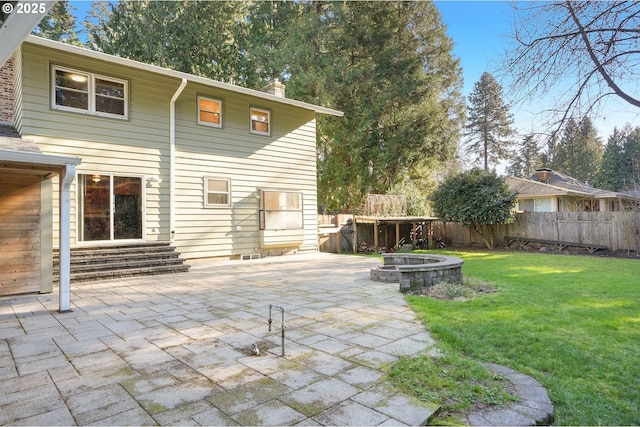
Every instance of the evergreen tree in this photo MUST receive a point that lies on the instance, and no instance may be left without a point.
(389, 67)
(527, 159)
(59, 24)
(95, 24)
(579, 151)
(610, 173)
(269, 25)
(631, 148)
(198, 37)
(489, 122)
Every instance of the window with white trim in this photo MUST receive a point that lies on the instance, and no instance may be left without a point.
(209, 112)
(88, 93)
(217, 192)
(281, 210)
(260, 121)
(536, 205)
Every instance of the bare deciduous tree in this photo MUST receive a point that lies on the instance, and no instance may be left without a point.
(589, 49)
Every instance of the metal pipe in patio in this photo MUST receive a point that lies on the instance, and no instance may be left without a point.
(283, 327)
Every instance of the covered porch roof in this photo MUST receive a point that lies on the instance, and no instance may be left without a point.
(21, 156)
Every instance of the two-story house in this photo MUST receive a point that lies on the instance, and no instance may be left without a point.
(161, 156)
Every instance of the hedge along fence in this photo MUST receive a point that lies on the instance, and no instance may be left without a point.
(615, 230)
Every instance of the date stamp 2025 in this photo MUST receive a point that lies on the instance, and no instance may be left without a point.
(24, 8)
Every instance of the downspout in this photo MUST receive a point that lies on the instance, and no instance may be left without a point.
(64, 294)
(172, 161)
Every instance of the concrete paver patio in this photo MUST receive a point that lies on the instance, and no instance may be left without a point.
(174, 349)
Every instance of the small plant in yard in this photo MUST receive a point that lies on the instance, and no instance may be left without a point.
(459, 385)
(468, 289)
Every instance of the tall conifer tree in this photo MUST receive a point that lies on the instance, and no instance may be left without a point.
(59, 24)
(579, 151)
(527, 159)
(489, 124)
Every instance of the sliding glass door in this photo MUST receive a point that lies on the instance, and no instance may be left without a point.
(110, 207)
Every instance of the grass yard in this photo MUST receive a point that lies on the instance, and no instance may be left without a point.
(571, 322)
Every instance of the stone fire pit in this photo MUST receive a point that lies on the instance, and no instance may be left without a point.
(417, 272)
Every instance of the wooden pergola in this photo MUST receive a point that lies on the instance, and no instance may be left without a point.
(397, 221)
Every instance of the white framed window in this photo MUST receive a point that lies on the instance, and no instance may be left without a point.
(88, 93)
(536, 205)
(217, 192)
(281, 210)
(260, 121)
(209, 112)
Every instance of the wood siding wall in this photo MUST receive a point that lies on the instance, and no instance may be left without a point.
(139, 146)
(19, 233)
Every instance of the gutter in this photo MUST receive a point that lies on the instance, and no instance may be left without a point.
(50, 44)
(172, 160)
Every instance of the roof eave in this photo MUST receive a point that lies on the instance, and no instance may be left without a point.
(28, 157)
(177, 74)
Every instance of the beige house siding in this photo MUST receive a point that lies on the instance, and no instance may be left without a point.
(139, 146)
(284, 161)
(134, 147)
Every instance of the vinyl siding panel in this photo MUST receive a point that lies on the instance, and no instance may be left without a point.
(139, 146)
(286, 160)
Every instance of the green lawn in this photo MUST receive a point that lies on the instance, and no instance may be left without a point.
(571, 322)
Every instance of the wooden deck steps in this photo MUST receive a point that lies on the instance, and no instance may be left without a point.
(107, 262)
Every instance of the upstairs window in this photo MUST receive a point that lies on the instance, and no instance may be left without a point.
(209, 112)
(260, 121)
(83, 92)
(280, 210)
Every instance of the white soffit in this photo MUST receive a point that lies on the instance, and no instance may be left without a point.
(20, 18)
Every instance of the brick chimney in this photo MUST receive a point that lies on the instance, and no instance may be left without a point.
(275, 87)
(6, 92)
(543, 175)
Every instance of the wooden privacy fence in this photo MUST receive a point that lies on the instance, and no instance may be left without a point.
(615, 230)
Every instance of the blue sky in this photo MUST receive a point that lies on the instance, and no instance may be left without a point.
(479, 30)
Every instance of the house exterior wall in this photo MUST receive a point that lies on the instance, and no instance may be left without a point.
(286, 160)
(134, 147)
(139, 146)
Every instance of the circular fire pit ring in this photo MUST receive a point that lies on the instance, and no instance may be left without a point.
(416, 272)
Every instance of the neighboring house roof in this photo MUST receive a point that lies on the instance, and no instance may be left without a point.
(562, 180)
(559, 184)
(527, 187)
(177, 74)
